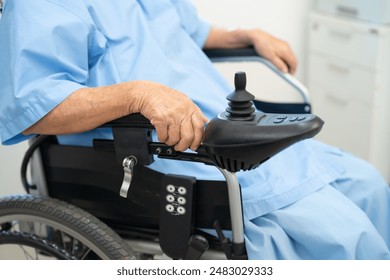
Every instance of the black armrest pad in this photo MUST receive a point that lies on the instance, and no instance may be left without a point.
(133, 120)
(220, 53)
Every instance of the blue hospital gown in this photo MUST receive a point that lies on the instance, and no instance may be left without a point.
(311, 201)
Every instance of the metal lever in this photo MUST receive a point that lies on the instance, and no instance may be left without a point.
(128, 166)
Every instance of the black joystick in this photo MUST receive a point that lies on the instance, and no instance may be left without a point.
(242, 138)
(241, 107)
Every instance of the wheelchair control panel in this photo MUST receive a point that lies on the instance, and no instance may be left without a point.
(241, 138)
(177, 217)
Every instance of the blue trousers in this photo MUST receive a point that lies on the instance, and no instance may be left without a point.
(346, 219)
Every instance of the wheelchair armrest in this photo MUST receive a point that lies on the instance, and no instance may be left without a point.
(131, 136)
(249, 54)
(135, 120)
(215, 54)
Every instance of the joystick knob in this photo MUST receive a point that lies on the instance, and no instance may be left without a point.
(242, 138)
(241, 107)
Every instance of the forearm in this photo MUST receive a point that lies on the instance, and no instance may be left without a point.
(222, 38)
(87, 108)
(177, 120)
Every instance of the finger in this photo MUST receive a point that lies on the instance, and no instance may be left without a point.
(290, 59)
(186, 136)
(173, 134)
(287, 55)
(279, 63)
(162, 132)
(198, 127)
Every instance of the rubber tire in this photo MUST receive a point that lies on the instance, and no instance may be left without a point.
(76, 222)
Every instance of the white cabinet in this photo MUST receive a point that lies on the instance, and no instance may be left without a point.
(348, 75)
(373, 10)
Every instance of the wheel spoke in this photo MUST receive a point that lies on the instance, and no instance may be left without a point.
(87, 251)
(27, 254)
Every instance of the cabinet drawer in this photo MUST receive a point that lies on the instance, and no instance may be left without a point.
(342, 78)
(374, 10)
(342, 39)
(347, 124)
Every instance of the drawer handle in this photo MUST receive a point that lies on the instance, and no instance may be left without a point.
(346, 10)
(341, 33)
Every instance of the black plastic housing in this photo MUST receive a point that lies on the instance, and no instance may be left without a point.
(244, 145)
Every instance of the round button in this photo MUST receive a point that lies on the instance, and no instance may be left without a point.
(182, 190)
(181, 200)
(181, 210)
(171, 188)
(169, 208)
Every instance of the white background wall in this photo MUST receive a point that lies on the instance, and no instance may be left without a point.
(285, 19)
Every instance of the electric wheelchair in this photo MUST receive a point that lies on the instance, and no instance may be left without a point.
(103, 202)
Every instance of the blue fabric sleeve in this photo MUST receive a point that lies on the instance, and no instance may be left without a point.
(192, 23)
(44, 58)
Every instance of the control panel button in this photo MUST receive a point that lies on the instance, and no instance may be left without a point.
(171, 188)
(182, 190)
(170, 198)
(170, 208)
(278, 120)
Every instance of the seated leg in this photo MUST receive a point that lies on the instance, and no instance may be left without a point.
(323, 225)
(364, 186)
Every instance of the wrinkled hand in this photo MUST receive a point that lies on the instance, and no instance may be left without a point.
(178, 121)
(275, 50)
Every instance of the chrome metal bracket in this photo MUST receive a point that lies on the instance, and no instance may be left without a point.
(128, 166)
(235, 204)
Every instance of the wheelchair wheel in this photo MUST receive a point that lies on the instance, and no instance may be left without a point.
(32, 247)
(46, 228)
